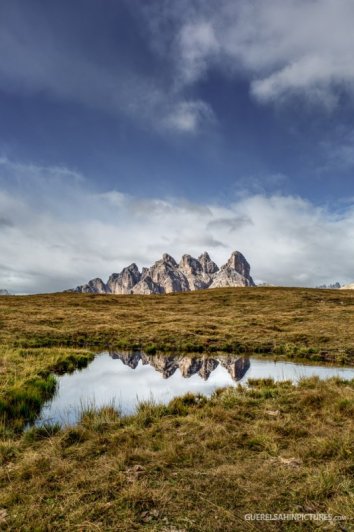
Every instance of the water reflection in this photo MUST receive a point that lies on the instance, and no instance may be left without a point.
(188, 366)
(125, 379)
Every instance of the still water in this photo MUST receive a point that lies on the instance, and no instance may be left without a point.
(125, 379)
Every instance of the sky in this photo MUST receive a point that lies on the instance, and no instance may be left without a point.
(131, 128)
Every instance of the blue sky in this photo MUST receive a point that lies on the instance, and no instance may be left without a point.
(131, 128)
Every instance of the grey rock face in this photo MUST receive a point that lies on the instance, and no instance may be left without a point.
(189, 366)
(95, 286)
(190, 265)
(208, 266)
(236, 272)
(238, 262)
(123, 282)
(193, 270)
(146, 287)
(167, 276)
(228, 278)
(166, 258)
(332, 286)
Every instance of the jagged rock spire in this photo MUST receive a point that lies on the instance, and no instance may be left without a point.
(238, 262)
(208, 266)
(167, 276)
(123, 282)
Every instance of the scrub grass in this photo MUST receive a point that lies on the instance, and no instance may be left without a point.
(27, 381)
(193, 465)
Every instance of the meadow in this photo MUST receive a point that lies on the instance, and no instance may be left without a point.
(283, 321)
(195, 464)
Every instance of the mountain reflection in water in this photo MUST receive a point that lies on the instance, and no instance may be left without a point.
(125, 379)
(237, 367)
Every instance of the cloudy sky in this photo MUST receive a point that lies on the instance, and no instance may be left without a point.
(131, 128)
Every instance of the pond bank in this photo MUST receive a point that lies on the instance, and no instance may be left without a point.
(124, 380)
(189, 465)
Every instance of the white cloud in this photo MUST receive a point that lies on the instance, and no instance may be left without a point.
(189, 116)
(198, 43)
(284, 47)
(52, 244)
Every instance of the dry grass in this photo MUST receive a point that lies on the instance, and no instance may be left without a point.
(284, 321)
(196, 465)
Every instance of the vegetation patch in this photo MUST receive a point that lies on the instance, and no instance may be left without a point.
(195, 464)
(285, 322)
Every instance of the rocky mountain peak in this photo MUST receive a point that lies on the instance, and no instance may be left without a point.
(238, 262)
(190, 265)
(123, 282)
(167, 276)
(132, 268)
(208, 266)
(95, 286)
(147, 286)
(169, 260)
(236, 272)
(204, 257)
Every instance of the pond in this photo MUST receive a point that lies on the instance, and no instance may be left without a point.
(125, 379)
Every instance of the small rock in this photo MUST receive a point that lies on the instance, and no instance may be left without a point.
(149, 515)
(273, 413)
(138, 467)
(134, 472)
(291, 462)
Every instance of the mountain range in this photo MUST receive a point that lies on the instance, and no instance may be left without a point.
(166, 276)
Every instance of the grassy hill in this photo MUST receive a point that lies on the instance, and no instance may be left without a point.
(283, 321)
(195, 464)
